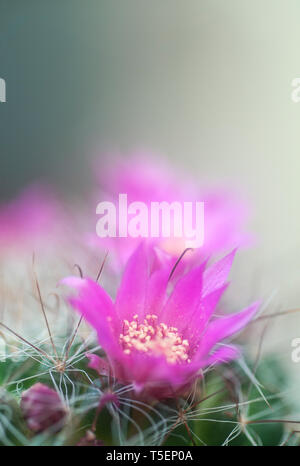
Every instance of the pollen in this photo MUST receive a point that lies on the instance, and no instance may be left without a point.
(154, 338)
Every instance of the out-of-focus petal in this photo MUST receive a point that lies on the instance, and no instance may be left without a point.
(224, 327)
(148, 371)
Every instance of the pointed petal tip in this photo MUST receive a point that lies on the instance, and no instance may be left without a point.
(97, 363)
(72, 281)
(217, 274)
(224, 354)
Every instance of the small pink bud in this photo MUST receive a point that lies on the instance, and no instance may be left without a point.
(43, 409)
(89, 440)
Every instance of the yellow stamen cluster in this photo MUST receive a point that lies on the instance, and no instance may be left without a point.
(155, 338)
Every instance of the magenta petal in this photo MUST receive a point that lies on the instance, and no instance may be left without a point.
(199, 321)
(210, 301)
(156, 291)
(224, 327)
(153, 371)
(108, 398)
(97, 308)
(130, 299)
(184, 300)
(98, 364)
(217, 274)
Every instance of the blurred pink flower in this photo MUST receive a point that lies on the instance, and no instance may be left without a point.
(146, 179)
(160, 341)
(31, 219)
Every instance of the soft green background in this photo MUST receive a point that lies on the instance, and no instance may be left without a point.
(206, 82)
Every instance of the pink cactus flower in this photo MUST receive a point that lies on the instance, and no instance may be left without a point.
(160, 342)
(146, 179)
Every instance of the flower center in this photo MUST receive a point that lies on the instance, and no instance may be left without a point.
(155, 338)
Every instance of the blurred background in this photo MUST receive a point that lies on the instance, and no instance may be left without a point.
(207, 83)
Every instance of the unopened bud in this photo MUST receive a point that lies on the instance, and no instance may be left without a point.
(43, 409)
(89, 440)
